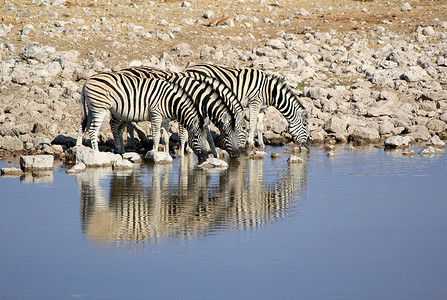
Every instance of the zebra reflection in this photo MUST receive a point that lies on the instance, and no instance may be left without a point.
(184, 204)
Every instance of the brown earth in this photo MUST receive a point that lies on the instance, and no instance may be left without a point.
(325, 15)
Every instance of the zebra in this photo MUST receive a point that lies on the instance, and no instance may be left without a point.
(257, 90)
(224, 110)
(132, 99)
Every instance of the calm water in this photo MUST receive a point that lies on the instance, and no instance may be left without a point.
(365, 224)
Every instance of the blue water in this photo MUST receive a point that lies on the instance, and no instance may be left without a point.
(365, 224)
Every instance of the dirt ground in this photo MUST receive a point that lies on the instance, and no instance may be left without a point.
(256, 22)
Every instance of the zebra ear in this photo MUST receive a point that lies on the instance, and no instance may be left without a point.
(206, 121)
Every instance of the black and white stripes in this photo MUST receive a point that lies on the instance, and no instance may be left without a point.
(194, 97)
(130, 98)
(255, 90)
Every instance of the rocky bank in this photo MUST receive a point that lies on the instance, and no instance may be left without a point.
(362, 83)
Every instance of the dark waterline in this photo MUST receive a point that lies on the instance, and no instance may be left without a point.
(365, 224)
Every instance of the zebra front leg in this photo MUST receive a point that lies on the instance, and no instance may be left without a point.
(183, 135)
(165, 135)
(260, 128)
(209, 137)
(253, 117)
(156, 129)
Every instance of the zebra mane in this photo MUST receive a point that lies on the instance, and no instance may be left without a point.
(283, 83)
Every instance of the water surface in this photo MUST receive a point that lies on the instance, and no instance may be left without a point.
(365, 224)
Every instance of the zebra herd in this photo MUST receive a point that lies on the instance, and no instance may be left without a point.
(195, 97)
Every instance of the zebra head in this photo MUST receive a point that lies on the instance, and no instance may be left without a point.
(198, 140)
(298, 129)
(229, 135)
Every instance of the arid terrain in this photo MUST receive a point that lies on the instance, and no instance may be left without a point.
(365, 57)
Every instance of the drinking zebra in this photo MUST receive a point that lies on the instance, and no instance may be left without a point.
(224, 110)
(134, 99)
(256, 90)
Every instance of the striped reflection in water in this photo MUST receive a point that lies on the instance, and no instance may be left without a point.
(185, 204)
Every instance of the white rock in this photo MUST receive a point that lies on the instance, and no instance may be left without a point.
(293, 159)
(27, 29)
(158, 157)
(132, 156)
(428, 31)
(11, 171)
(258, 155)
(91, 158)
(398, 141)
(208, 14)
(406, 7)
(414, 74)
(431, 151)
(122, 164)
(275, 44)
(435, 141)
(79, 167)
(186, 4)
(37, 162)
(213, 162)
(419, 132)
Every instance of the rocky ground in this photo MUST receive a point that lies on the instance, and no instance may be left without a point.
(366, 70)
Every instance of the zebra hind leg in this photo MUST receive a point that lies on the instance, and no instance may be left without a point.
(117, 127)
(94, 128)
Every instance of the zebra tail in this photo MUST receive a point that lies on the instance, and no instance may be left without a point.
(83, 110)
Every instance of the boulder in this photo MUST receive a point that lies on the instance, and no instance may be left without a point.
(431, 151)
(37, 162)
(122, 164)
(398, 141)
(11, 171)
(212, 162)
(132, 156)
(418, 132)
(436, 125)
(158, 157)
(11, 143)
(258, 155)
(367, 134)
(275, 155)
(78, 168)
(414, 74)
(293, 159)
(91, 158)
(435, 141)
